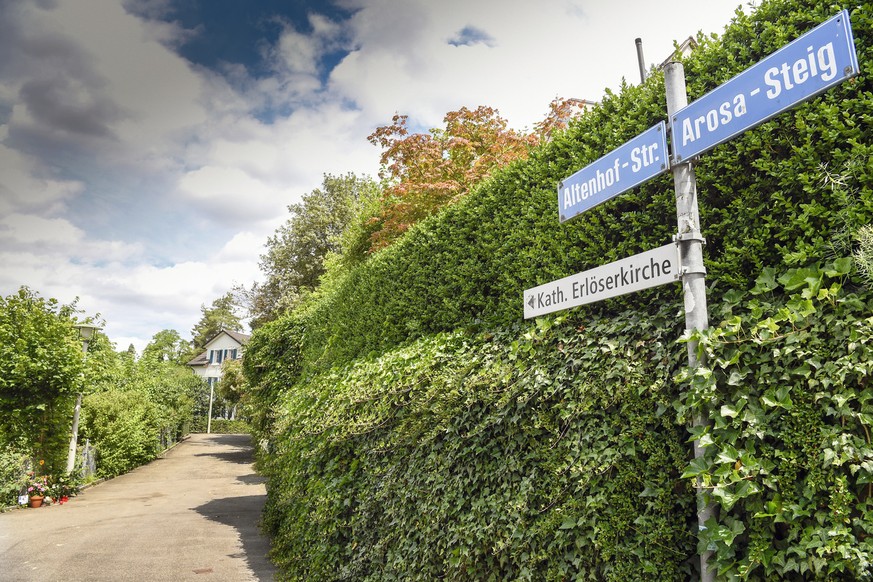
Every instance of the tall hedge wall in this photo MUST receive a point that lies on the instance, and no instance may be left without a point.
(418, 429)
(558, 451)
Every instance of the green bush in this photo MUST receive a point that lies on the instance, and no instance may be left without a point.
(14, 463)
(789, 459)
(272, 363)
(225, 426)
(542, 453)
(124, 429)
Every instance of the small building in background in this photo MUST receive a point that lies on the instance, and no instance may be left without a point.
(682, 51)
(225, 345)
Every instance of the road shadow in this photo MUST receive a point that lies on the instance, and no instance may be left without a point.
(233, 440)
(241, 442)
(252, 479)
(242, 513)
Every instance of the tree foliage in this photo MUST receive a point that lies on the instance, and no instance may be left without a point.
(167, 346)
(232, 385)
(222, 314)
(296, 252)
(40, 371)
(428, 171)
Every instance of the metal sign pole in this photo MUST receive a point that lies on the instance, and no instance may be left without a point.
(690, 243)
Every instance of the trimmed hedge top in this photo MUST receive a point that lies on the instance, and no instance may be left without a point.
(764, 196)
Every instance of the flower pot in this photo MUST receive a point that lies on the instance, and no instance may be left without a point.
(35, 501)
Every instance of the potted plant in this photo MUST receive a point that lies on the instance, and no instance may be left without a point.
(62, 487)
(36, 489)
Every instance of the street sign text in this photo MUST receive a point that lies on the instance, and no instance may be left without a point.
(625, 167)
(649, 269)
(805, 67)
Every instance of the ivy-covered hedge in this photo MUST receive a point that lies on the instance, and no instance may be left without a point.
(476, 456)
(557, 450)
(418, 429)
(789, 455)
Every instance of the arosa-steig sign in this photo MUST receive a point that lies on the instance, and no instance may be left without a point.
(823, 57)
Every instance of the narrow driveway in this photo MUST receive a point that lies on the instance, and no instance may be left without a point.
(191, 515)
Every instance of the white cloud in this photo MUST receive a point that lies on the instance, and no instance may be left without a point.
(59, 239)
(230, 195)
(21, 188)
(406, 61)
(239, 251)
(157, 88)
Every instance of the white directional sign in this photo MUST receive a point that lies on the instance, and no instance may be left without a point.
(625, 167)
(649, 269)
(807, 66)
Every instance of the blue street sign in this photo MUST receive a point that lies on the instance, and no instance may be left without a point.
(807, 66)
(629, 165)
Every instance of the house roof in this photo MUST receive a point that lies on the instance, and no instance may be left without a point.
(688, 45)
(242, 338)
(203, 359)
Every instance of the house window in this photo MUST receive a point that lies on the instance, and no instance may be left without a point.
(218, 356)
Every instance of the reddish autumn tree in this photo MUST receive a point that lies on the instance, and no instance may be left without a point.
(428, 171)
(561, 111)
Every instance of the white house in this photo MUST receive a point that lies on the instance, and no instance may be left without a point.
(225, 345)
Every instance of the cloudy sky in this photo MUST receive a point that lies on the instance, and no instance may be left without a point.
(148, 148)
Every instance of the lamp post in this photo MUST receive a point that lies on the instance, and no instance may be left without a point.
(86, 332)
(209, 414)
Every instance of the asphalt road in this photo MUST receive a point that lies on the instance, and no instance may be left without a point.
(190, 515)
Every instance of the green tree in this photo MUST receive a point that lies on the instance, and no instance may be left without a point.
(223, 314)
(232, 387)
(295, 257)
(167, 346)
(40, 372)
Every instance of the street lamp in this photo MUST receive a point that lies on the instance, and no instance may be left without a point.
(86, 332)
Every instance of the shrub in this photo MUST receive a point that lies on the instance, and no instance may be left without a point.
(124, 429)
